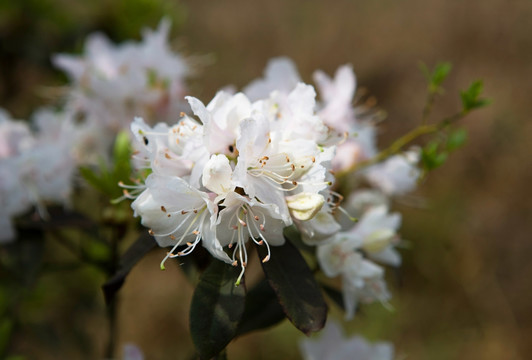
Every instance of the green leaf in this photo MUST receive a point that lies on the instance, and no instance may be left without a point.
(437, 76)
(216, 309)
(295, 286)
(122, 157)
(262, 309)
(471, 97)
(143, 245)
(106, 179)
(456, 139)
(93, 179)
(431, 157)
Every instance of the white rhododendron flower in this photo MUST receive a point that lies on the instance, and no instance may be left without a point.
(333, 345)
(280, 75)
(111, 84)
(132, 352)
(397, 175)
(237, 172)
(375, 236)
(247, 165)
(36, 167)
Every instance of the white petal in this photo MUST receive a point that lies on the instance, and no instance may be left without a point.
(217, 175)
(304, 206)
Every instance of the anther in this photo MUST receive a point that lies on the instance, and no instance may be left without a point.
(150, 232)
(266, 259)
(172, 237)
(166, 155)
(195, 232)
(163, 208)
(256, 217)
(181, 114)
(235, 263)
(183, 212)
(261, 226)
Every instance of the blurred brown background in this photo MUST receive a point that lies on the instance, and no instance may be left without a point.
(464, 291)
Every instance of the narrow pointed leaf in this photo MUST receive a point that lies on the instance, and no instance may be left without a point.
(216, 309)
(262, 309)
(295, 286)
(144, 244)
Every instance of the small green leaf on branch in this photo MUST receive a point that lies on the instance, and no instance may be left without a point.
(471, 97)
(436, 77)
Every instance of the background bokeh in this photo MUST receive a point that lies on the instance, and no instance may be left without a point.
(464, 291)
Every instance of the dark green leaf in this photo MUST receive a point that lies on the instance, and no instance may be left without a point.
(295, 286)
(144, 244)
(216, 309)
(262, 309)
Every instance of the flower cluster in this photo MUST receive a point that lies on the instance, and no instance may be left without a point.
(240, 170)
(347, 249)
(111, 84)
(252, 163)
(36, 167)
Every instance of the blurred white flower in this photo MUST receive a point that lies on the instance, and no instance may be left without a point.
(111, 84)
(332, 345)
(132, 352)
(374, 236)
(280, 75)
(397, 175)
(36, 168)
